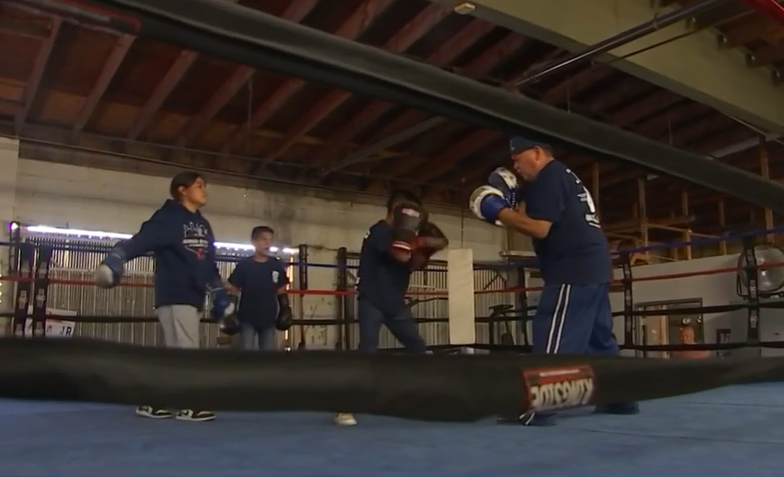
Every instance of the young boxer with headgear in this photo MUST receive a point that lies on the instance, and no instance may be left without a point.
(261, 282)
(401, 243)
(186, 272)
(557, 211)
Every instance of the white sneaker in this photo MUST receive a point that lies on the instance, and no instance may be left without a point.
(194, 416)
(153, 412)
(345, 419)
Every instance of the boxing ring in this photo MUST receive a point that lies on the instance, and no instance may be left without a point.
(67, 385)
(60, 432)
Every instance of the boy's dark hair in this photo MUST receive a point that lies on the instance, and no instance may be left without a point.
(257, 231)
(402, 196)
(183, 179)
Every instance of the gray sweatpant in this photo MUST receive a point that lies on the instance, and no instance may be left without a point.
(181, 324)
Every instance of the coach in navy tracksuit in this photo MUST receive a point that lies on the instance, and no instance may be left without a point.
(557, 211)
(183, 244)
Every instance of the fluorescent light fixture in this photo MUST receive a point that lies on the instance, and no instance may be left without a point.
(95, 234)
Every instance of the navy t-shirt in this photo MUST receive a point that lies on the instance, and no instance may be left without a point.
(575, 251)
(259, 283)
(184, 248)
(382, 280)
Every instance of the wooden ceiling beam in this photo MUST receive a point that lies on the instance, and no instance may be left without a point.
(110, 67)
(441, 58)
(35, 28)
(767, 55)
(296, 12)
(160, 153)
(34, 82)
(353, 26)
(450, 158)
(163, 89)
(753, 29)
(401, 41)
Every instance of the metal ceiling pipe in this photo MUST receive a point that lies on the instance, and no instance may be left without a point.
(625, 37)
(769, 8)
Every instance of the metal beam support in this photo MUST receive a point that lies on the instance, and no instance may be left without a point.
(688, 67)
(623, 38)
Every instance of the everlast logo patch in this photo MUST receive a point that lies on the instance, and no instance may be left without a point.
(550, 389)
(410, 212)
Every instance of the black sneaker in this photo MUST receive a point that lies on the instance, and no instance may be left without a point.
(620, 408)
(153, 412)
(196, 416)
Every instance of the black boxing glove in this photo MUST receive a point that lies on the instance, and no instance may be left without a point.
(230, 325)
(284, 320)
(430, 239)
(406, 219)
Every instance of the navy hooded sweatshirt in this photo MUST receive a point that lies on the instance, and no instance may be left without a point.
(184, 249)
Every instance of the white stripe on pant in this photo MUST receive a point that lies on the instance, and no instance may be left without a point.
(557, 322)
(180, 324)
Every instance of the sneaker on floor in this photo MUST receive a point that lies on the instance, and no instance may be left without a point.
(536, 419)
(195, 416)
(345, 419)
(153, 412)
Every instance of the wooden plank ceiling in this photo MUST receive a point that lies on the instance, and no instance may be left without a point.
(70, 86)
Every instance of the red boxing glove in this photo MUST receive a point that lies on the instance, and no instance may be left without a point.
(430, 239)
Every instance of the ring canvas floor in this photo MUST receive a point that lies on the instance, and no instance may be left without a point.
(726, 432)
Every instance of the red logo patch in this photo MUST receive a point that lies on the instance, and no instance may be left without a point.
(556, 388)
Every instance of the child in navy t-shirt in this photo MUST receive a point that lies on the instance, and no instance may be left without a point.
(261, 282)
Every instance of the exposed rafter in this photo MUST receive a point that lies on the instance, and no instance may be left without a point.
(296, 12)
(353, 26)
(41, 61)
(114, 61)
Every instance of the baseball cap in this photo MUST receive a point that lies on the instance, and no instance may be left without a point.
(519, 144)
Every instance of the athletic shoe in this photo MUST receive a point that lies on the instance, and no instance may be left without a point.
(621, 408)
(153, 412)
(534, 419)
(345, 419)
(195, 416)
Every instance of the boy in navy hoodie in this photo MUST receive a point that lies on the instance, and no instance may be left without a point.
(185, 272)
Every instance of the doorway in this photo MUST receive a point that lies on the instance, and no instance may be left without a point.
(665, 329)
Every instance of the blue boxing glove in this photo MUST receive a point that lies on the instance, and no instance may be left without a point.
(487, 202)
(506, 182)
(111, 269)
(221, 304)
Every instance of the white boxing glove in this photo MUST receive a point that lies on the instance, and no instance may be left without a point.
(487, 202)
(506, 182)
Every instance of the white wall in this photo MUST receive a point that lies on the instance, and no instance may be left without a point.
(714, 289)
(94, 199)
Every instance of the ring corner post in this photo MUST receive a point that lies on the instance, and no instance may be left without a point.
(751, 270)
(344, 338)
(629, 317)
